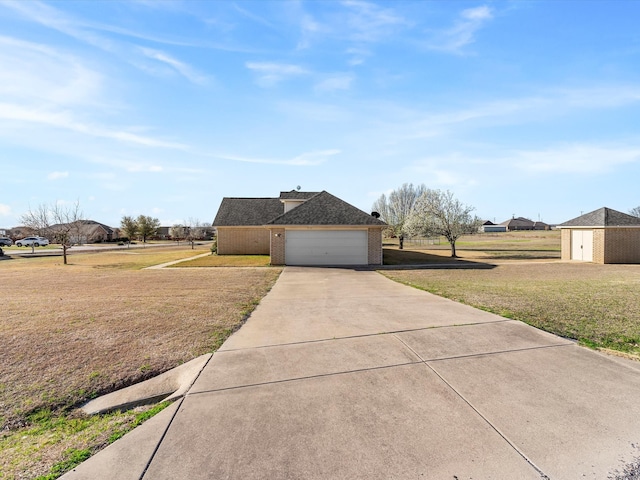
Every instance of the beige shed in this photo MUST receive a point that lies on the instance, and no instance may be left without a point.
(602, 236)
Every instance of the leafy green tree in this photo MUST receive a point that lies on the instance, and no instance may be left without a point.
(439, 213)
(147, 226)
(129, 227)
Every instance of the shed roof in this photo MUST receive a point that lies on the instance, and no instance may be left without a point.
(603, 217)
(325, 209)
(236, 212)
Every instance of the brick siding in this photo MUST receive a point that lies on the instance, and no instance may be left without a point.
(243, 241)
(610, 245)
(565, 244)
(375, 246)
(621, 245)
(277, 246)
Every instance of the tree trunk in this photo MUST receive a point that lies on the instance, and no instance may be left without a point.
(453, 250)
(64, 254)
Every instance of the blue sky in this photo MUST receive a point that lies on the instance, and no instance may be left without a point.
(525, 108)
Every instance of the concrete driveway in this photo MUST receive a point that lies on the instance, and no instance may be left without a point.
(346, 374)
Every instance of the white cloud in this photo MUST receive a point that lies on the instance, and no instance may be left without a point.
(5, 210)
(369, 22)
(338, 82)
(270, 74)
(66, 120)
(463, 33)
(305, 159)
(180, 67)
(57, 175)
(68, 81)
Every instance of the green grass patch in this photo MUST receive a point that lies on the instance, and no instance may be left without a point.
(67, 439)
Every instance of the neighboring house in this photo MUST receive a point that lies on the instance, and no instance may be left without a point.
(519, 223)
(86, 231)
(299, 228)
(163, 233)
(16, 233)
(541, 226)
(601, 236)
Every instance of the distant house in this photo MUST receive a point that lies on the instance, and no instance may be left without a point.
(299, 228)
(519, 223)
(541, 226)
(489, 226)
(86, 231)
(602, 236)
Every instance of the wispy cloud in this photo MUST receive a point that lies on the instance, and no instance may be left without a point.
(336, 82)
(369, 22)
(303, 160)
(65, 120)
(182, 68)
(90, 34)
(579, 159)
(463, 32)
(270, 74)
(57, 175)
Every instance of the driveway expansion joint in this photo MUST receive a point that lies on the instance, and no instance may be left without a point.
(164, 434)
(364, 335)
(308, 377)
(483, 417)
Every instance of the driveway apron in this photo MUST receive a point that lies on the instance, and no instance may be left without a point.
(341, 373)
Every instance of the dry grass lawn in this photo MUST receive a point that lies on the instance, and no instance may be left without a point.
(518, 275)
(524, 245)
(69, 333)
(596, 304)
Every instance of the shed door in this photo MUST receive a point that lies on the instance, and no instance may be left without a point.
(582, 245)
(326, 247)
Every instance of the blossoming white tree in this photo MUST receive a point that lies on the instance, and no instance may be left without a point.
(439, 213)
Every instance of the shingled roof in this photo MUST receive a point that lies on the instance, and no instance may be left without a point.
(603, 217)
(518, 222)
(296, 195)
(325, 209)
(237, 212)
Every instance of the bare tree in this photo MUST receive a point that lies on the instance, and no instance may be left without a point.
(68, 222)
(56, 221)
(37, 220)
(635, 211)
(438, 213)
(396, 209)
(177, 232)
(194, 230)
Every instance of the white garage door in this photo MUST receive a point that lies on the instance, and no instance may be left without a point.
(582, 245)
(326, 247)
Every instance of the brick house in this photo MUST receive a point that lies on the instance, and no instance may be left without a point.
(299, 228)
(601, 236)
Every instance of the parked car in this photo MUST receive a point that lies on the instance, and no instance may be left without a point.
(35, 241)
(6, 242)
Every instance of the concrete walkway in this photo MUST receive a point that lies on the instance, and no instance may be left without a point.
(346, 374)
